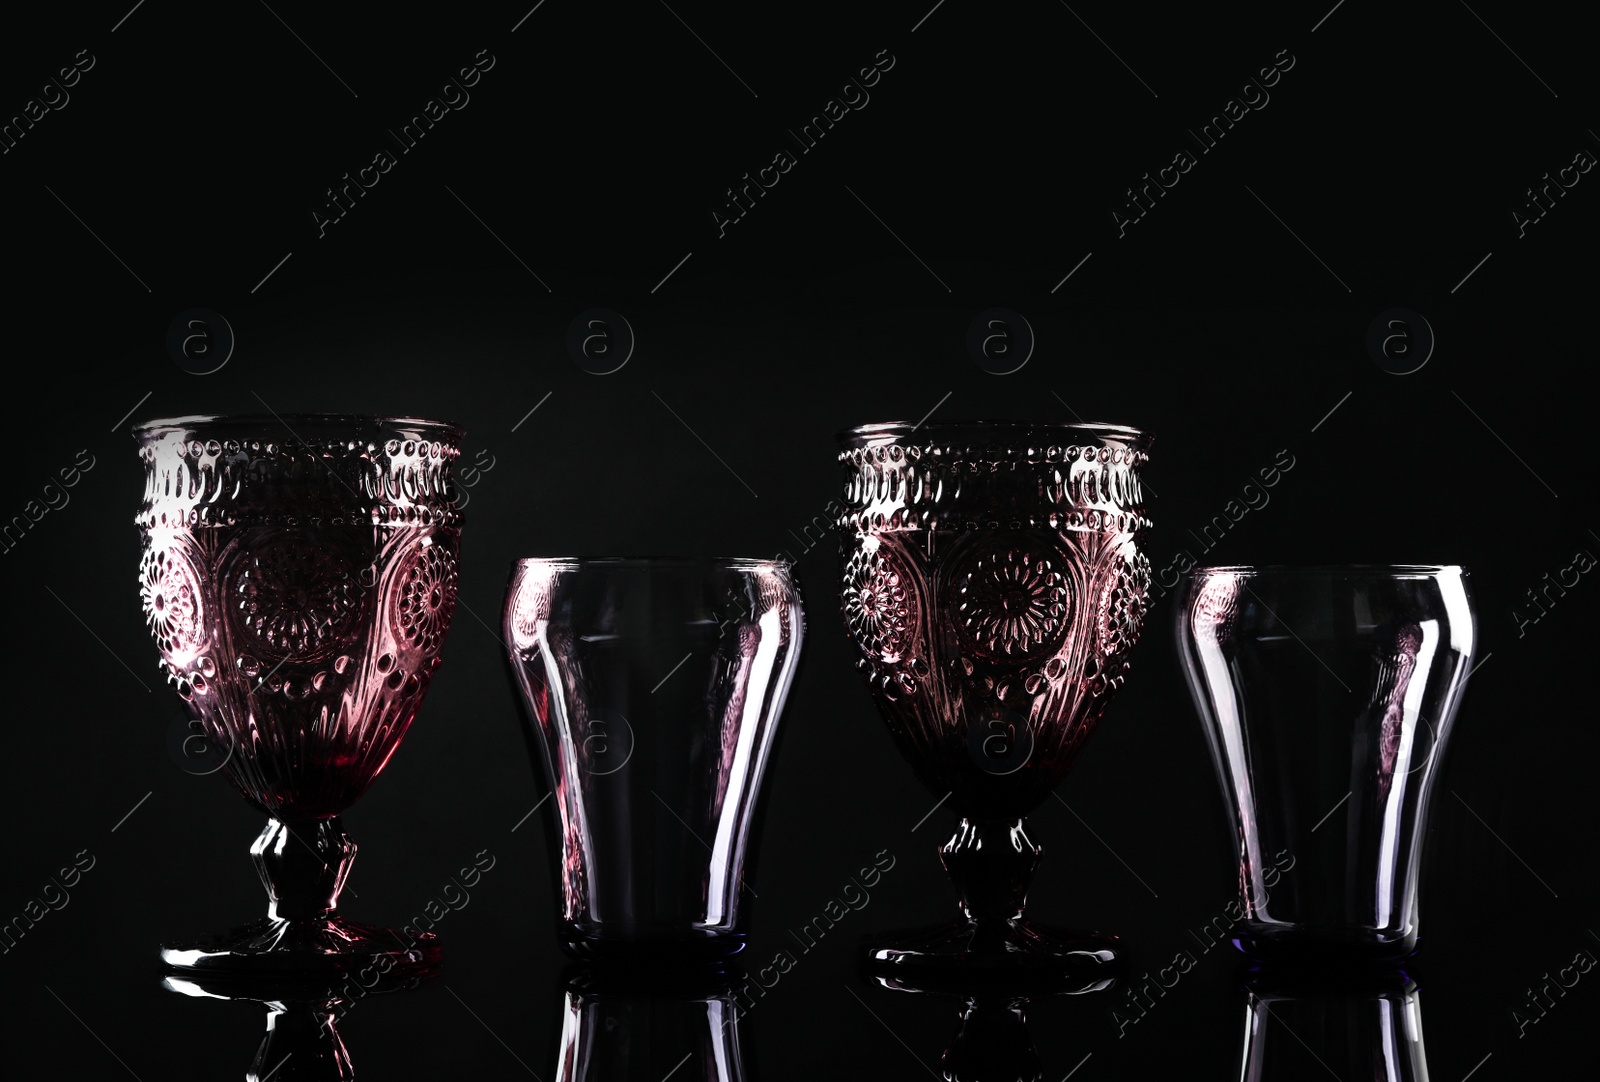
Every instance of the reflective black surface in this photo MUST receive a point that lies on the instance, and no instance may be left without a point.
(650, 1023)
(1000, 148)
(1368, 1027)
(506, 997)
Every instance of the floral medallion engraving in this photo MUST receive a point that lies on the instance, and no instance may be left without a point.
(879, 605)
(296, 596)
(1011, 600)
(426, 597)
(1123, 606)
(170, 590)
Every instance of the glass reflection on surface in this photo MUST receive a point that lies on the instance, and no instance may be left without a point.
(992, 1042)
(1355, 1027)
(303, 1013)
(644, 1024)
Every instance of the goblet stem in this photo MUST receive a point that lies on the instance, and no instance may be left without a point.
(303, 866)
(991, 862)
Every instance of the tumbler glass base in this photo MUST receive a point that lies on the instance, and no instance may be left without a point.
(327, 945)
(1297, 946)
(689, 948)
(1017, 946)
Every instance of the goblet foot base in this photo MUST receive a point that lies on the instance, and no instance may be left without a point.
(1016, 947)
(1004, 987)
(325, 946)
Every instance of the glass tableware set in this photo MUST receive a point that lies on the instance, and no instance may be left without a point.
(299, 574)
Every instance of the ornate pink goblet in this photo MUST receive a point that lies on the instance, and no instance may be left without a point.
(298, 575)
(993, 584)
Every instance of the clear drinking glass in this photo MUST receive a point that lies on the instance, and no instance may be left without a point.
(654, 688)
(1328, 694)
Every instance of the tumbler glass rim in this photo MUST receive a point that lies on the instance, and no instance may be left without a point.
(1331, 570)
(1041, 431)
(346, 425)
(653, 563)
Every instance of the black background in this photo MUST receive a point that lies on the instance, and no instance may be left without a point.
(996, 149)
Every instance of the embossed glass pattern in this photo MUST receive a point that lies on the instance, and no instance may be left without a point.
(298, 574)
(1328, 695)
(654, 689)
(993, 585)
